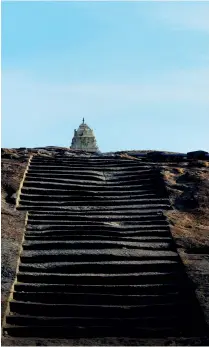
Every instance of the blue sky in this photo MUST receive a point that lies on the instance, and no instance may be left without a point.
(137, 71)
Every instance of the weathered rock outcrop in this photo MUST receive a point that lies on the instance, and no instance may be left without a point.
(190, 223)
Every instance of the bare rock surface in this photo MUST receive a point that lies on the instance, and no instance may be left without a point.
(188, 187)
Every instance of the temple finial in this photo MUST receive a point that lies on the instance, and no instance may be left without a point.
(83, 120)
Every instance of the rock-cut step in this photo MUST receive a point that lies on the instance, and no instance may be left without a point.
(79, 188)
(93, 229)
(36, 245)
(57, 205)
(74, 310)
(24, 320)
(56, 199)
(131, 229)
(91, 179)
(91, 175)
(94, 179)
(82, 255)
(99, 186)
(101, 267)
(88, 174)
(59, 236)
(89, 184)
(88, 164)
(95, 219)
(85, 215)
(101, 278)
(61, 167)
(127, 289)
(79, 234)
(89, 192)
(98, 299)
(95, 331)
(40, 196)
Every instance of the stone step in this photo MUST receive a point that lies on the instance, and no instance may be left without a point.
(90, 211)
(157, 325)
(86, 228)
(80, 160)
(59, 235)
(74, 228)
(71, 161)
(89, 192)
(120, 206)
(127, 289)
(87, 157)
(119, 175)
(64, 310)
(148, 182)
(57, 209)
(83, 255)
(106, 190)
(94, 182)
(82, 197)
(97, 197)
(96, 331)
(104, 267)
(145, 215)
(155, 321)
(85, 185)
(83, 159)
(97, 168)
(102, 211)
(86, 170)
(86, 196)
(79, 230)
(91, 175)
(66, 171)
(114, 223)
(149, 213)
(60, 245)
(99, 209)
(101, 278)
(96, 299)
(79, 234)
(88, 224)
(94, 163)
(58, 204)
(86, 192)
(91, 218)
(30, 176)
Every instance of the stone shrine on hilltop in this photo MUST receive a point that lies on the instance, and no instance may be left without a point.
(84, 139)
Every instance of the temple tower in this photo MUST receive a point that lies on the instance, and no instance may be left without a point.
(84, 139)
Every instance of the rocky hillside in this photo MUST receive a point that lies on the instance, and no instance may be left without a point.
(187, 183)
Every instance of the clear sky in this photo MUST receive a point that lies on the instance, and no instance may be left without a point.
(138, 72)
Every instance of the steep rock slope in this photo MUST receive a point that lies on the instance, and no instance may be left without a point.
(8, 195)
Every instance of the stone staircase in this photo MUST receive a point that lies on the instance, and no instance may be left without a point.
(98, 258)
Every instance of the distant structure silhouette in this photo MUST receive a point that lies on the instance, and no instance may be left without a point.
(84, 138)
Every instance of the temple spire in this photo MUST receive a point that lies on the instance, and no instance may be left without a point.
(84, 139)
